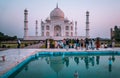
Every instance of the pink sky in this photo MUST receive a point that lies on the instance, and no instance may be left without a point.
(104, 14)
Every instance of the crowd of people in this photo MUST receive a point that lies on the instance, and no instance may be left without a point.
(78, 44)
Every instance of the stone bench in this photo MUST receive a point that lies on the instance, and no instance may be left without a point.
(3, 57)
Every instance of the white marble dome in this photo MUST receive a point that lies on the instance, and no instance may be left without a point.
(57, 13)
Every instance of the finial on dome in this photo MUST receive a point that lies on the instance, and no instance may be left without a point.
(25, 8)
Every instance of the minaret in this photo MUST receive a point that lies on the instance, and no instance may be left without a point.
(36, 33)
(87, 24)
(76, 28)
(25, 23)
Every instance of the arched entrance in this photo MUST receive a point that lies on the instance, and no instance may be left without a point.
(57, 30)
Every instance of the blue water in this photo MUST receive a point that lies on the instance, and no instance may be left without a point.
(87, 66)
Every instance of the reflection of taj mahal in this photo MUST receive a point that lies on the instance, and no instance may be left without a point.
(56, 27)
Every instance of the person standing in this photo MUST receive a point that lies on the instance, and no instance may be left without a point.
(86, 43)
(82, 44)
(105, 46)
(92, 44)
(64, 43)
(113, 43)
(77, 44)
(48, 43)
(19, 43)
(56, 44)
(97, 44)
(67, 44)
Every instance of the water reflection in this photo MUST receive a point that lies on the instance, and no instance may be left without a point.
(110, 64)
(47, 60)
(71, 65)
(76, 59)
(93, 61)
(58, 63)
(26, 67)
(113, 58)
(97, 60)
(66, 60)
(86, 62)
(76, 75)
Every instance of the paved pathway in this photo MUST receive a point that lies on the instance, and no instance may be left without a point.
(35, 45)
(13, 57)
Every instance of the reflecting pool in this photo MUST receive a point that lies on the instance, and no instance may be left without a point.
(73, 66)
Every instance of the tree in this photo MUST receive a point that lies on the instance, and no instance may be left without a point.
(117, 33)
(1, 34)
(6, 37)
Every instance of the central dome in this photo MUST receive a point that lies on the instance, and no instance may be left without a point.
(57, 13)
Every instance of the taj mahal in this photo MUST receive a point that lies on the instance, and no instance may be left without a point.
(56, 27)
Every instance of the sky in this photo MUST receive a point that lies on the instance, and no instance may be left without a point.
(104, 14)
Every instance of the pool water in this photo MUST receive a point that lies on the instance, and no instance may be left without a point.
(86, 66)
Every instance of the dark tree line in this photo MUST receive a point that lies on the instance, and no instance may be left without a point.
(117, 33)
(4, 37)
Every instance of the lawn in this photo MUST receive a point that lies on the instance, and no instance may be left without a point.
(13, 44)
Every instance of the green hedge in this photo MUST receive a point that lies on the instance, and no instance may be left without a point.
(117, 45)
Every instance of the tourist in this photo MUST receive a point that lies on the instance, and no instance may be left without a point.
(74, 41)
(56, 44)
(77, 44)
(113, 43)
(105, 46)
(86, 43)
(97, 44)
(48, 44)
(61, 44)
(92, 43)
(82, 44)
(70, 46)
(67, 44)
(64, 43)
(19, 43)
(102, 45)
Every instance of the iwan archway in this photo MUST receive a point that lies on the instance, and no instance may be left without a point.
(57, 30)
